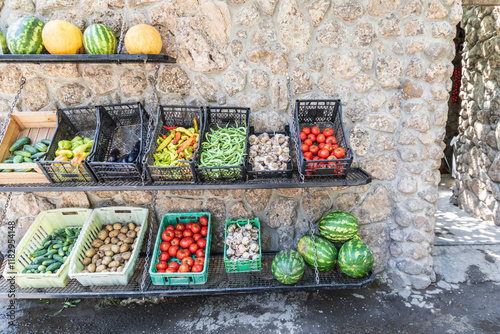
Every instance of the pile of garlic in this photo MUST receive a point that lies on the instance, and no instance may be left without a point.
(269, 153)
(242, 242)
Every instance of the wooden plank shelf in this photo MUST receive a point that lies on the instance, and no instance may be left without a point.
(86, 58)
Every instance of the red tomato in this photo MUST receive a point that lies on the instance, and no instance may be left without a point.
(170, 227)
(182, 253)
(316, 158)
(331, 140)
(180, 227)
(175, 242)
(178, 234)
(321, 145)
(172, 270)
(188, 225)
(315, 130)
(320, 138)
(162, 265)
(303, 136)
(164, 246)
(164, 256)
(172, 251)
(193, 248)
(306, 131)
(339, 153)
(202, 243)
(184, 268)
(204, 231)
(305, 148)
(161, 271)
(199, 260)
(197, 268)
(174, 265)
(197, 236)
(308, 142)
(323, 154)
(328, 132)
(186, 242)
(196, 228)
(168, 235)
(312, 137)
(200, 253)
(187, 233)
(328, 147)
(188, 260)
(335, 146)
(314, 149)
(308, 155)
(204, 220)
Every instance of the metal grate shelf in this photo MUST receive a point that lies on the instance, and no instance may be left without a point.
(219, 282)
(86, 58)
(356, 177)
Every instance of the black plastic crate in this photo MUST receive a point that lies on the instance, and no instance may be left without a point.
(216, 117)
(120, 127)
(170, 116)
(71, 122)
(270, 174)
(323, 113)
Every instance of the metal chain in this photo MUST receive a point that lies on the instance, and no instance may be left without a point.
(150, 238)
(295, 127)
(122, 30)
(4, 211)
(152, 106)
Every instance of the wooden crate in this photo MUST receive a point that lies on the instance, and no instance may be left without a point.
(36, 126)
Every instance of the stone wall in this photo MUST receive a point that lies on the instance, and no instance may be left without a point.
(477, 153)
(389, 62)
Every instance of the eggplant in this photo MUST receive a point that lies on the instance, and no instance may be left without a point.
(123, 158)
(113, 156)
(135, 152)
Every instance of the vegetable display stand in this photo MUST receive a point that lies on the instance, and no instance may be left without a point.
(35, 125)
(324, 114)
(45, 224)
(121, 134)
(215, 119)
(187, 278)
(242, 265)
(106, 216)
(286, 173)
(171, 117)
(71, 122)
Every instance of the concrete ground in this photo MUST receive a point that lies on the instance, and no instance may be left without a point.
(465, 299)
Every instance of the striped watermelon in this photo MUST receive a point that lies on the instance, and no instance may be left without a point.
(326, 253)
(288, 266)
(355, 258)
(338, 226)
(4, 49)
(25, 36)
(99, 39)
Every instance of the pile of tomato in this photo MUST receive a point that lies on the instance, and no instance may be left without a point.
(183, 242)
(318, 145)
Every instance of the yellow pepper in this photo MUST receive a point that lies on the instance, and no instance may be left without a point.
(166, 141)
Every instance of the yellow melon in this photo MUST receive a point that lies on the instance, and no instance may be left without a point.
(62, 38)
(143, 39)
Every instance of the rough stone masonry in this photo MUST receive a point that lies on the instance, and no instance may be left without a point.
(388, 61)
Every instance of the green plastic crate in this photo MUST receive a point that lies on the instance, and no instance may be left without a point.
(242, 265)
(180, 278)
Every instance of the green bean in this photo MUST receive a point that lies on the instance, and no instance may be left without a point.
(223, 147)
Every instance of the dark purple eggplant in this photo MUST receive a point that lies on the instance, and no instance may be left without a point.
(135, 152)
(113, 156)
(123, 158)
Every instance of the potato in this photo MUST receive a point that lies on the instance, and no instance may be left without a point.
(101, 254)
(90, 252)
(120, 243)
(124, 230)
(109, 228)
(86, 261)
(124, 248)
(129, 241)
(120, 268)
(126, 255)
(122, 236)
(114, 233)
(98, 262)
(95, 258)
(137, 229)
(113, 270)
(105, 247)
(115, 249)
(97, 243)
(131, 226)
(91, 267)
(109, 253)
(115, 240)
(118, 258)
(113, 264)
(85, 271)
(117, 226)
(103, 235)
(107, 240)
(106, 260)
(132, 234)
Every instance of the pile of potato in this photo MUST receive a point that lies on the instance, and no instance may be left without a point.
(111, 249)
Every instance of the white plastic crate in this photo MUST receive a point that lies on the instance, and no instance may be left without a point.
(45, 224)
(106, 216)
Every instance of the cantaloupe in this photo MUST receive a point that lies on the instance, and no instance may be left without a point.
(62, 37)
(143, 39)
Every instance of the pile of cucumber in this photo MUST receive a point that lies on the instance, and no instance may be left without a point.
(29, 154)
(55, 250)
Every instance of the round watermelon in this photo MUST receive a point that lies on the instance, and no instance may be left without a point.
(288, 266)
(338, 226)
(326, 253)
(99, 39)
(25, 36)
(355, 258)
(4, 49)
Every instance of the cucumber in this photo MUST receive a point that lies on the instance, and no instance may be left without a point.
(20, 143)
(42, 267)
(61, 251)
(24, 271)
(69, 232)
(9, 160)
(40, 259)
(27, 159)
(30, 149)
(47, 243)
(48, 262)
(36, 271)
(46, 141)
(50, 256)
(32, 266)
(23, 153)
(58, 245)
(65, 248)
(18, 159)
(23, 170)
(47, 238)
(7, 170)
(54, 266)
(38, 253)
(37, 155)
(40, 147)
(51, 251)
(58, 258)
